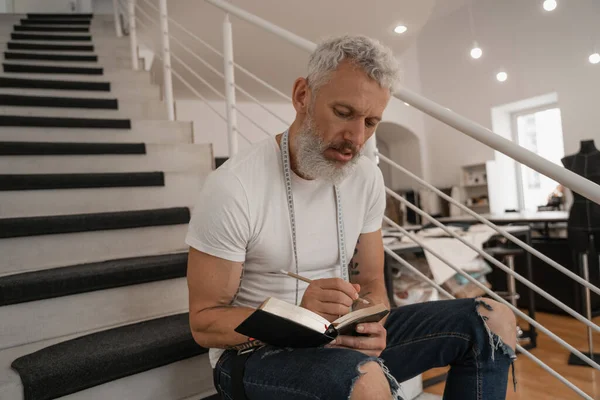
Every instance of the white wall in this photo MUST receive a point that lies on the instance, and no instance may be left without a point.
(102, 7)
(54, 6)
(542, 53)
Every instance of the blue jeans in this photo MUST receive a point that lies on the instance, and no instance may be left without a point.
(419, 337)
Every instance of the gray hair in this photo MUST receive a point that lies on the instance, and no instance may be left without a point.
(369, 54)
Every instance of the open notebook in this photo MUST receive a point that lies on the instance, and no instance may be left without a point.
(285, 325)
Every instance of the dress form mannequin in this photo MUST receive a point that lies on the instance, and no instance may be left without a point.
(584, 216)
(584, 229)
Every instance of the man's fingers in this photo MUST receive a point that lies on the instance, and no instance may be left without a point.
(340, 285)
(360, 343)
(335, 309)
(335, 296)
(370, 328)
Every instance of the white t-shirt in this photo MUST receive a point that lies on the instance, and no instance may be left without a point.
(242, 215)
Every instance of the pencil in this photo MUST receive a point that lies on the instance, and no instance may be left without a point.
(303, 279)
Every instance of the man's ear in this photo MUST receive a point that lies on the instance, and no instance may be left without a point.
(301, 95)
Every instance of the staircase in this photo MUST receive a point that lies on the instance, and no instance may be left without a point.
(96, 190)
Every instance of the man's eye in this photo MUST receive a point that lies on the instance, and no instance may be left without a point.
(370, 124)
(341, 114)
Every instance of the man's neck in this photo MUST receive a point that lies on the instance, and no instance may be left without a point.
(292, 144)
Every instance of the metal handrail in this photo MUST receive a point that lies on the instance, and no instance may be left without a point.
(569, 179)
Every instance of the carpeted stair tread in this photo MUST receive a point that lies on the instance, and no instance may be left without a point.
(51, 69)
(33, 28)
(73, 223)
(65, 148)
(58, 102)
(50, 37)
(55, 21)
(11, 182)
(49, 47)
(59, 16)
(57, 122)
(49, 57)
(83, 278)
(54, 84)
(101, 357)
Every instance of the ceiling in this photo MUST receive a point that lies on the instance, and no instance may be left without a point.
(274, 59)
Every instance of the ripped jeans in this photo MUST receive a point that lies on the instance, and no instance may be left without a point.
(419, 337)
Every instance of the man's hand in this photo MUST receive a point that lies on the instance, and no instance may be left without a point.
(372, 344)
(330, 298)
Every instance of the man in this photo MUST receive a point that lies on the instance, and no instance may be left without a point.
(244, 231)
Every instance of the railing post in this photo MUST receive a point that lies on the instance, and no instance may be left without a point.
(166, 56)
(116, 13)
(371, 149)
(229, 87)
(133, 36)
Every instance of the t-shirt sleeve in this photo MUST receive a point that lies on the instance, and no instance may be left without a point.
(220, 222)
(376, 204)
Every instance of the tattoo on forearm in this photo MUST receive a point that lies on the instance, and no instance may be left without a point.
(353, 266)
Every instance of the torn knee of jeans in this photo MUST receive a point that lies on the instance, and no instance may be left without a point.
(395, 388)
(495, 340)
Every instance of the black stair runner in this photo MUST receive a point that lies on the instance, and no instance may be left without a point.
(57, 122)
(48, 47)
(66, 148)
(91, 360)
(52, 37)
(83, 278)
(55, 21)
(73, 223)
(53, 84)
(50, 69)
(49, 57)
(58, 102)
(11, 182)
(32, 28)
(59, 16)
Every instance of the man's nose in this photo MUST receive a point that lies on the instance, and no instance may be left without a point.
(356, 132)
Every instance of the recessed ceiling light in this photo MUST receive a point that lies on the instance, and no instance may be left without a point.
(595, 58)
(476, 52)
(406, 104)
(400, 29)
(502, 76)
(550, 5)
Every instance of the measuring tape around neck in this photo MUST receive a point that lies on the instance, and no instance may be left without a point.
(287, 175)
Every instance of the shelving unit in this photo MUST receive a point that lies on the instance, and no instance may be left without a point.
(474, 185)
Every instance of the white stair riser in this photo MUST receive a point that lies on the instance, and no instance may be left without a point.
(180, 190)
(142, 110)
(123, 64)
(142, 131)
(86, 311)
(32, 253)
(124, 59)
(121, 78)
(142, 93)
(159, 157)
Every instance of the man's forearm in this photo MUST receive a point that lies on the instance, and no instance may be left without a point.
(214, 327)
(375, 292)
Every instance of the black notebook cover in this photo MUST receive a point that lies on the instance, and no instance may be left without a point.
(277, 331)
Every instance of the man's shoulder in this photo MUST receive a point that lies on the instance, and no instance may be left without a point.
(250, 162)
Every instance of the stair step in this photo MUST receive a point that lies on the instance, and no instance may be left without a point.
(73, 223)
(12, 182)
(49, 57)
(54, 158)
(48, 69)
(67, 122)
(179, 189)
(49, 47)
(70, 314)
(148, 131)
(131, 109)
(90, 360)
(33, 28)
(83, 278)
(124, 94)
(58, 102)
(55, 21)
(120, 77)
(8, 82)
(62, 149)
(50, 37)
(23, 254)
(59, 16)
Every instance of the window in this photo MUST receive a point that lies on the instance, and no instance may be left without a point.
(539, 131)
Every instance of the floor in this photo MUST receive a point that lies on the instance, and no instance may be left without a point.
(533, 381)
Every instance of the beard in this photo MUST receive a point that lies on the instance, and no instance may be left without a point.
(311, 160)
